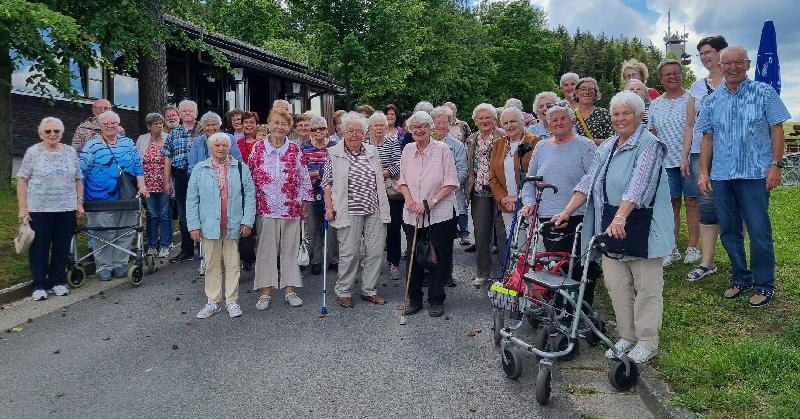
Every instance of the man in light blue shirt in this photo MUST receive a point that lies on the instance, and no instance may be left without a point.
(741, 156)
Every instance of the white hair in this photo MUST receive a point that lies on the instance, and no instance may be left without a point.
(733, 48)
(210, 117)
(216, 138)
(513, 103)
(627, 98)
(558, 107)
(517, 113)
(569, 76)
(378, 117)
(319, 121)
(421, 117)
(543, 95)
(484, 107)
(423, 106)
(442, 110)
(355, 117)
(644, 96)
(107, 115)
(48, 119)
(187, 103)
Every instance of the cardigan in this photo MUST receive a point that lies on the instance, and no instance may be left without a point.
(497, 176)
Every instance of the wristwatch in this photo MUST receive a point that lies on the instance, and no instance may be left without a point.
(780, 163)
(434, 201)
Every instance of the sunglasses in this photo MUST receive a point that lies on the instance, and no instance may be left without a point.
(52, 131)
(560, 104)
(319, 129)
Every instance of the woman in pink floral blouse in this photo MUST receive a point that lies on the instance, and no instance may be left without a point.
(283, 194)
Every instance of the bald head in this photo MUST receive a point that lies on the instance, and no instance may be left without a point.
(734, 52)
(281, 104)
(100, 106)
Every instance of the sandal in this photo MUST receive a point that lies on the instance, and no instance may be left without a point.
(699, 272)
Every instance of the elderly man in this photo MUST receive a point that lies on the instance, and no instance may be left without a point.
(176, 164)
(90, 127)
(741, 156)
(458, 128)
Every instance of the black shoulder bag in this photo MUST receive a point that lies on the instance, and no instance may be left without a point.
(126, 182)
(637, 225)
(425, 254)
(247, 245)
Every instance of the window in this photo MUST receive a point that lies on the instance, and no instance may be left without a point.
(126, 91)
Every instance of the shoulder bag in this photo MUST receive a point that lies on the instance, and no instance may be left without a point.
(126, 182)
(425, 254)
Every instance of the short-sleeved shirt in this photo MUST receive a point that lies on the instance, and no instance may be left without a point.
(425, 173)
(153, 165)
(101, 169)
(699, 90)
(177, 146)
(599, 123)
(668, 117)
(51, 178)
(740, 124)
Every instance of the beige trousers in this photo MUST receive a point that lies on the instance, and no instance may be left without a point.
(219, 253)
(277, 237)
(635, 288)
(373, 231)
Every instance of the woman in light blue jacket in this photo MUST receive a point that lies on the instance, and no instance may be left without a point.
(220, 208)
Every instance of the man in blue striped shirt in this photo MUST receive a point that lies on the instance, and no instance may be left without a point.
(741, 156)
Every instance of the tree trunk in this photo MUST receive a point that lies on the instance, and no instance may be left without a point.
(153, 73)
(6, 67)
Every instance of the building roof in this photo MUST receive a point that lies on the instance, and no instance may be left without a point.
(248, 55)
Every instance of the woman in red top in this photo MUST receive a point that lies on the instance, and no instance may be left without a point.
(246, 143)
(159, 220)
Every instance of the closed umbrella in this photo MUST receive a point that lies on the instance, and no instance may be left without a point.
(768, 69)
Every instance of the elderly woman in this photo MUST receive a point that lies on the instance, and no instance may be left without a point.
(336, 136)
(479, 148)
(529, 119)
(442, 121)
(389, 152)
(283, 195)
(220, 207)
(235, 126)
(548, 161)
(150, 147)
(633, 69)
(315, 152)
(509, 160)
(458, 128)
(593, 123)
(427, 181)
(667, 121)
(357, 206)
(636, 86)
(49, 196)
(567, 84)
(302, 127)
(211, 124)
(541, 103)
(627, 173)
(394, 128)
(246, 143)
(102, 159)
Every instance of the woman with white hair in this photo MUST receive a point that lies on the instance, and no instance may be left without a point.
(210, 124)
(315, 152)
(593, 123)
(528, 119)
(479, 148)
(427, 181)
(220, 208)
(49, 197)
(389, 152)
(567, 84)
(627, 179)
(636, 86)
(357, 207)
(442, 119)
(159, 220)
(103, 160)
(541, 104)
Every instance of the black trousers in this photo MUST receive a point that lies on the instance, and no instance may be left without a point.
(441, 236)
(393, 236)
(560, 240)
(181, 184)
(48, 252)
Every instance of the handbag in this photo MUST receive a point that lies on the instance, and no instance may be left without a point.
(425, 253)
(637, 225)
(25, 236)
(303, 259)
(392, 191)
(249, 244)
(126, 182)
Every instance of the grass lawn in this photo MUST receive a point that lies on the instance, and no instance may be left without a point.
(13, 267)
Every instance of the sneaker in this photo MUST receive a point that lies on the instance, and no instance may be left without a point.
(735, 291)
(699, 272)
(104, 275)
(60, 290)
(478, 282)
(692, 255)
(641, 354)
(39, 295)
(118, 272)
(234, 310)
(182, 257)
(622, 345)
(293, 299)
(209, 310)
(667, 260)
(761, 298)
(163, 253)
(394, 272)
(263, 302)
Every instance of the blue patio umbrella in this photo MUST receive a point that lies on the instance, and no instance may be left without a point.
(768, 69)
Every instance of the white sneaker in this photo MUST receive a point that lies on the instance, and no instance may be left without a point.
(641, 354)
(478, 282)
(622, 345)
(163, 253)
(667, 260)
(209, 310)
(234, 310)
(60, 290)
(292, 299)
(263, 302)
(39, 295)
(692, 255)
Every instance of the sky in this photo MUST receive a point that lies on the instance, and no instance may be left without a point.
(739, 21)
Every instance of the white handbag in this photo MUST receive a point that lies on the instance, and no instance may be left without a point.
(303, 259)
(24, 237)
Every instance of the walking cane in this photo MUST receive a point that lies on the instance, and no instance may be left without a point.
(408, 274)
(324, 309)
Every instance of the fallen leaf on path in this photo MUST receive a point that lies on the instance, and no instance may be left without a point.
(56, 351)
(16, 329)
(472, 333)
(174, 347)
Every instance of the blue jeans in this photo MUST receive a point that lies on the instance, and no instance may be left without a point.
(748, 200)
(159, 221)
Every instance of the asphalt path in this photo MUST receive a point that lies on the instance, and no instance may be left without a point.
(140, 352)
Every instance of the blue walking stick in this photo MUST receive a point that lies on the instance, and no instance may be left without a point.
(324, 309)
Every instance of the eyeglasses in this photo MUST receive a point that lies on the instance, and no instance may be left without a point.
(560, 104)
(353, 131)
(419, 127)
(52, 131)
(319, 129)
(110, 124)
(587, 89)
(737, 63)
